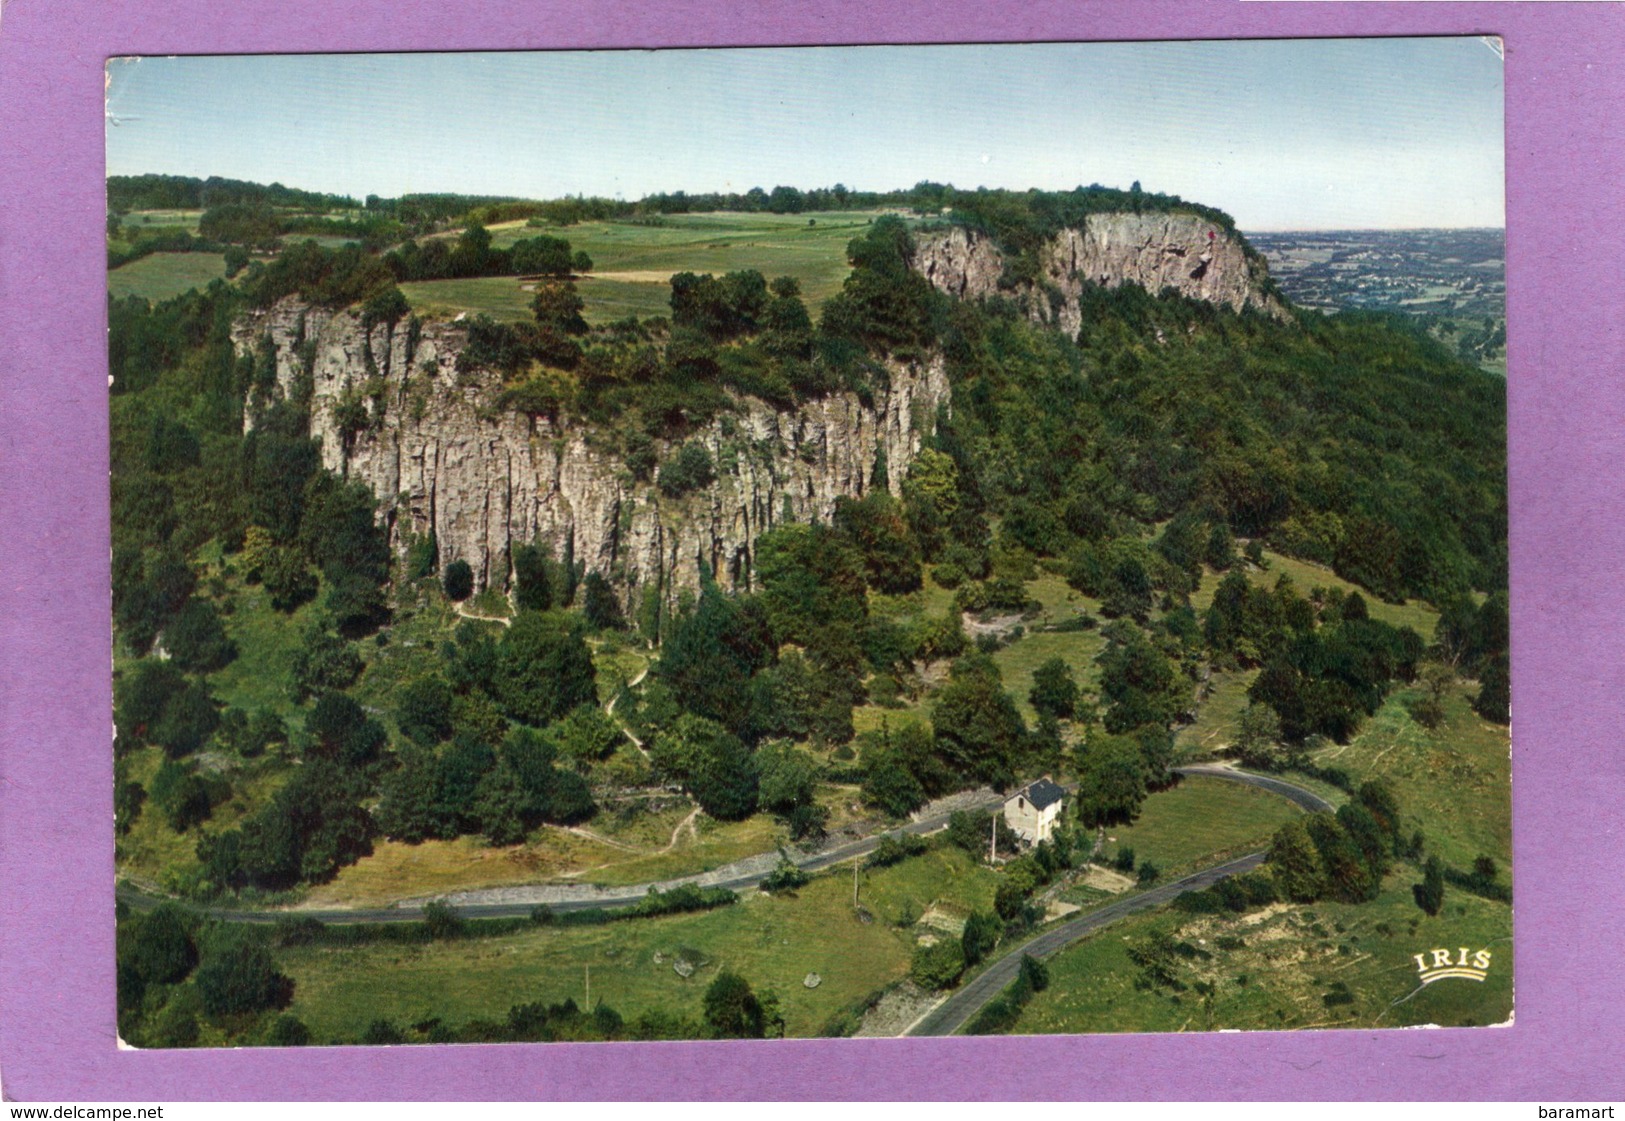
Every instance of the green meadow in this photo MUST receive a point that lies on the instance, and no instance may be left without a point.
(634, 260)
(161, 276)
(775, 941)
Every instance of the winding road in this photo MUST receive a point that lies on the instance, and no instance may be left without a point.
(749, 873)
(955, 1012)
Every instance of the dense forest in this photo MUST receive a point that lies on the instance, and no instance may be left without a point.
(1168, 438)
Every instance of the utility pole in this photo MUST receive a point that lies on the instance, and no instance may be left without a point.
(854, 886)
(993, 839)
(588, 968)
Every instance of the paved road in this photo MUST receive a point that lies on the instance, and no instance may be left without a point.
(611, 898)
(1307, 799)
(957, 1011)
(608, 898)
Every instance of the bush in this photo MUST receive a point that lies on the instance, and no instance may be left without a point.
(690, 469)
(1149, 873)
(894, 848)
(938, 966)
(441, 920)
(237, 975)
(287, 1031)
(458, 581)
(786, 877)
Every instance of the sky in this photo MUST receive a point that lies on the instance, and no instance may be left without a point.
(1282, 134)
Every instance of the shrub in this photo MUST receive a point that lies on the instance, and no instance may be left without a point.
(458, 581)
(441, 920)
(937, 966)
(690, 469)
(786, 877)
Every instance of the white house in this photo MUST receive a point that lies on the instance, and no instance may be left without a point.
(1032, 811)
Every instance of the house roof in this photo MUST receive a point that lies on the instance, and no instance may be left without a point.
(1042, 793)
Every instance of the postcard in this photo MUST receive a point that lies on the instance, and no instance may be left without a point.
(677, 552)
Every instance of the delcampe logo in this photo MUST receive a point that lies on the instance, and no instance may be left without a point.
(1436, 965)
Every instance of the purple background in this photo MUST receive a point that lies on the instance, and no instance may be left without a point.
(1564, 217)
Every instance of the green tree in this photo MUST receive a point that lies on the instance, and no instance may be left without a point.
(888, 783)
(1111, 780)
(1295, 863)
(423, 710)
(709, 658)
(978, 730)
(811, 577)
(343, 731)
(1055, 690)
(237, 975)
(732, 1010)
(789, 777)
(584, 735)
(287, 1031)
(1258, 737)
(876, 527)
(196, 640)
(1429, 894)
(980, 936)
(407, 807)
(937, 966)
(159, 946)
(557, 307)
(458, 581)
(543, 669)
(931, 499)
(600, 607)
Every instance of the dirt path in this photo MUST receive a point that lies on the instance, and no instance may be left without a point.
(461, 608)
(603, 840)
(609, 710)
(686, 823)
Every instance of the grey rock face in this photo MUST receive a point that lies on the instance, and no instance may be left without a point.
(1156, 251)
(441, 459)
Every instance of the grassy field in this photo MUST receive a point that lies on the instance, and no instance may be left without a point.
(633, 263)
(1275, 969)
(1219, 716)
(1414, 613)
(397, 871)
(151, 849)
(1455, 781)
(142, 220)
(1016, 662)
(161, 276)
(774, 942)
(1200, 822)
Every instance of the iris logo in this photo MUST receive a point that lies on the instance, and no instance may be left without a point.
(1436, 965)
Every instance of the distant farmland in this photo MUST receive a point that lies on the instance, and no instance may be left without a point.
(633, 261)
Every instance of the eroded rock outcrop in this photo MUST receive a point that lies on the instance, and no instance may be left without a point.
(442, 460)
(391, 408)
(1184, 252)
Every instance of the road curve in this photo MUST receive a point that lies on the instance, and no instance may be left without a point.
(955, 1012)
(626, 896)
(1305, 799)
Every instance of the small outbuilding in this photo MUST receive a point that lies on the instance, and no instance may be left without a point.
(1032, 811)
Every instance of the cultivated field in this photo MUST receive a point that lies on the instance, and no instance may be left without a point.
(162, 276)
(633, 262)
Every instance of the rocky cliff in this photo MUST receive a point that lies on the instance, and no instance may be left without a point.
(441, 460)
(391, 408)
(1155, 250)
